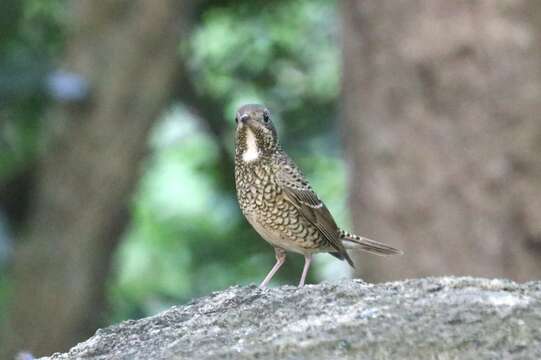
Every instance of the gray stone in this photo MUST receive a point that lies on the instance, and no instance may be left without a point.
(433, 318)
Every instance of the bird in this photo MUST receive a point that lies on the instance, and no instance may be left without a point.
(279, 202)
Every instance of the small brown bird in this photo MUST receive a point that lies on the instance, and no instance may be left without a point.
(278, 201)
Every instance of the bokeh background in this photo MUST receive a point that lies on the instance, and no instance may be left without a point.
(417, 121)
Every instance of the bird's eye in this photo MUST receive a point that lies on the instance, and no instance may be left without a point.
(236, 119)
(266, 117)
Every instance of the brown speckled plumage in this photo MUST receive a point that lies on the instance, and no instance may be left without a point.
(278, 201)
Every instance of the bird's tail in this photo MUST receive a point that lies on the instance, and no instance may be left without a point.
(352, 241)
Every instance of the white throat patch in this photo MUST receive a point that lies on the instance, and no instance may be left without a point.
(252, 152)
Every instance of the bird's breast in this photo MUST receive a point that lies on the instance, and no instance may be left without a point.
(257, 189)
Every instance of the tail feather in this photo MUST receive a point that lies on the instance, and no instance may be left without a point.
(352, 241)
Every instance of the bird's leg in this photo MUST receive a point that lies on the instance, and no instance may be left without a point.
(307, 262)
(280, 260)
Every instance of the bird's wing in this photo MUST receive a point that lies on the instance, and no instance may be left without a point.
(299, 193)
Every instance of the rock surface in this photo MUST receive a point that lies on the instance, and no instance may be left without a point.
(434, 318)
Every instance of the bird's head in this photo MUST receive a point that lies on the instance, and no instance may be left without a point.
(256, 136)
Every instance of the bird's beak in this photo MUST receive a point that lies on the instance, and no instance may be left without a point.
(244, 119)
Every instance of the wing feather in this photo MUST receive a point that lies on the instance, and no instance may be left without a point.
(298, 192)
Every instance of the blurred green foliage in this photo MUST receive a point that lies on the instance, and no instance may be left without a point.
(255, 50)
(187, 236)
(31, 38)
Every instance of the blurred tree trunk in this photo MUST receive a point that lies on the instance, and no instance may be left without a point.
(443, 136)
(126, 50)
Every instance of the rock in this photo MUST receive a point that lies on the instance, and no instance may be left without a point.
(433, 318)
